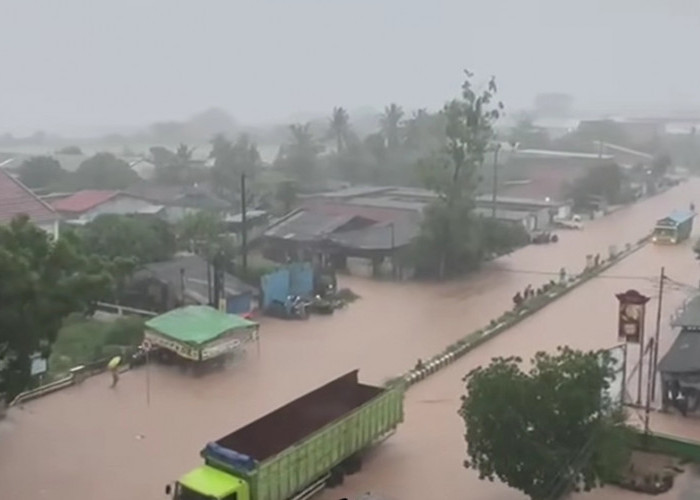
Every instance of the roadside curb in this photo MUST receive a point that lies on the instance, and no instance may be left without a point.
(510, 318)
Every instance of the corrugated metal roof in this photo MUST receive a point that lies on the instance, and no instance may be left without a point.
(17, 199)
(385, 236)
(679, 216)
(563, 155)
(690, 316)
(504, 215)
(84, 200)
(683, 357)
(307, 225)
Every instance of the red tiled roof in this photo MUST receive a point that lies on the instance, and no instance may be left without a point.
(17, 199)
(84, 200)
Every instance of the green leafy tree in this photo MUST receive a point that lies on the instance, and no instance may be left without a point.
(549, 430)
(161, 157)
(390, 122)
(40, 172)
(41, 282)
(104, 171)
(660, 165)
(605, 181)
(339, 128)
(173, 168)
(449, 241)
(142, 239)
(203, 233)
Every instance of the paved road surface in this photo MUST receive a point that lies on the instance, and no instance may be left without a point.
(92, 442)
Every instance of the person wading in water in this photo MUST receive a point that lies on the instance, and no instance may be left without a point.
(113, 367)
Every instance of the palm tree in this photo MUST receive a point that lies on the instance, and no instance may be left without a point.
(301, 153)
(391, 124)
(339, 127)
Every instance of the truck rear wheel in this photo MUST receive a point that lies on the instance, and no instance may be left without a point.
(336, 477)
(352, 465)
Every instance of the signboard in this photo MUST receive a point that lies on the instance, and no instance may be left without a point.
(39, 364)
(630, 326)
(220, 348)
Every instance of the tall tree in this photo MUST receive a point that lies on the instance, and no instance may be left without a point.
(173, 168)
(339, 128)
(104, 171)
(300, 155)
(391, 125)
(548, 430)
(449, 241)
(40, 172)
(42, 282)
(233, 159)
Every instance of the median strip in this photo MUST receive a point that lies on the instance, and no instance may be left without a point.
(511, 318)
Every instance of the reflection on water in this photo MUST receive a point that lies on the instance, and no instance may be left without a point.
(82, 442)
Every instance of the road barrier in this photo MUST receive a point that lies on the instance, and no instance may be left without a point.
(508, 319)
(75, 376)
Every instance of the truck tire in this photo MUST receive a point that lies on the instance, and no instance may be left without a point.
(336, 477)
(352, 465)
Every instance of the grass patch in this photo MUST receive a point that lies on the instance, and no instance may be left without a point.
(85, 340)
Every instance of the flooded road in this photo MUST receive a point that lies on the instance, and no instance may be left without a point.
(93, 442)
(431, 445)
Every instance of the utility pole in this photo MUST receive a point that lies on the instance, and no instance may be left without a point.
(244, 226)
(641, 366)
(655, 352)
(650, 384)
(393, 253)
(495, 181)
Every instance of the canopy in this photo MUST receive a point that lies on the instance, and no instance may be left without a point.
(197, 325)
(683, 358)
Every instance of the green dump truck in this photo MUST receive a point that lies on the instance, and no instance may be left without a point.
(298, 449)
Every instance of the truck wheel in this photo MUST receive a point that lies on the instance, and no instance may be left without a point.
(352, 465)
(336, 477)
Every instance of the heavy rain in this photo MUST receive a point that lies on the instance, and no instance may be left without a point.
(266, 251)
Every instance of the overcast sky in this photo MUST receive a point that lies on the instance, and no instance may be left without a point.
(69, 65)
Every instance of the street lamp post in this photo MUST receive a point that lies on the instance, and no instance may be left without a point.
(393, 253)
(494, 195)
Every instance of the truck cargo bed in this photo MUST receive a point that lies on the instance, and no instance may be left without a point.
(291, 423)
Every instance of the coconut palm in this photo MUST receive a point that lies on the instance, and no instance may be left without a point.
(339, 127)
(390, 122)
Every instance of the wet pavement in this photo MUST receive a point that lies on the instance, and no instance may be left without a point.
(93, 442)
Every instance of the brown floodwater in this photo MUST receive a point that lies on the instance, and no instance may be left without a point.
(92, 442)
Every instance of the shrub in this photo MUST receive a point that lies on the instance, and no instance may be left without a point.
(125, 332)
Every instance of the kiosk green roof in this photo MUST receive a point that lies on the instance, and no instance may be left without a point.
(197, 325)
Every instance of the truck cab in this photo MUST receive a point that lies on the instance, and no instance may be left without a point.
(208, 483)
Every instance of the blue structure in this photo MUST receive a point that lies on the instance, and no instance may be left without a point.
(294, 279)
(674, 228)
